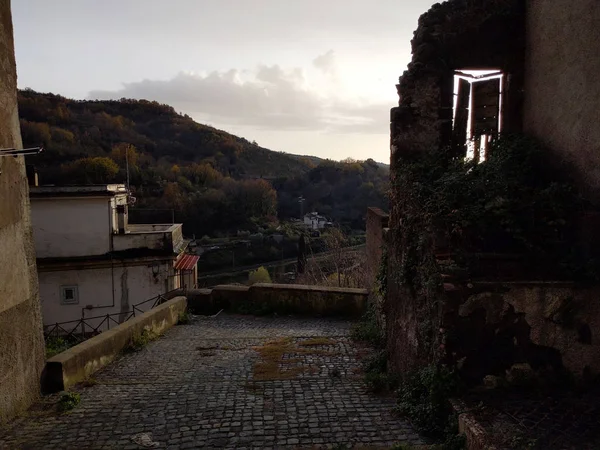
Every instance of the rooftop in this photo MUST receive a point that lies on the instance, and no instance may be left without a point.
(100, 190)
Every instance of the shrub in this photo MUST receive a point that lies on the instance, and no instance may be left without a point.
(184, 318)
(56, 345)
(260, 275)
(368, 330)
(68, 401)
(424, 395)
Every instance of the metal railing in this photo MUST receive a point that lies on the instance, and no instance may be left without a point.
(79, 330)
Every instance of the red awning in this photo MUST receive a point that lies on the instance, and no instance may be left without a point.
(186, 262)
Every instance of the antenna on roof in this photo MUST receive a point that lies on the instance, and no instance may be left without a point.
(130, 199)
(127, 164)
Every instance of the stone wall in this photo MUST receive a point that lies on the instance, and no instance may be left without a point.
(452, 36)
(550, 327)
(21, 341)
(78, 363)
(562, 106)
(377, 223)
(264, 298)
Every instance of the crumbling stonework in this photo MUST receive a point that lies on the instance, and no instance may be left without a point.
(21, 341)
(377, 231)
(455, 35)
(548, 326)
(490, 329)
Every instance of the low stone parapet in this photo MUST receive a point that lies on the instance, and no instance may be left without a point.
(263, 298)
(79, 362)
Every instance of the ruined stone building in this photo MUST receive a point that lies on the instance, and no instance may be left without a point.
(480, 68)
(21, 342)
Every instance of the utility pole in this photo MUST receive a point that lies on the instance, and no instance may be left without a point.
(301, 201)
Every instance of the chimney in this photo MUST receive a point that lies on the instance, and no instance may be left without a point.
(32, 175)
(122, 218)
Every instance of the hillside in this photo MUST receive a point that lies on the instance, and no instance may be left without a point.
(215, 182)
(72, 129)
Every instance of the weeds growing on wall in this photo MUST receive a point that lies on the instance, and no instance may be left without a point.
(367, 329)
(423, 397)
(140, 340)
(515, 202)
(184, 318)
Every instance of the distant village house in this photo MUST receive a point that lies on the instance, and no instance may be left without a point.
(314, 221)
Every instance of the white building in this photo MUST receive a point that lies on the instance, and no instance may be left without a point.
(91, 262)
(314, 221)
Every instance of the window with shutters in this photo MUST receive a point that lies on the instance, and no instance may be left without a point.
(477, 111)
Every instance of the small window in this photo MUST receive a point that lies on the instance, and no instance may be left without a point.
(69, 295)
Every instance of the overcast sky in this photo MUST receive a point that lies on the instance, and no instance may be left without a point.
(302, 76)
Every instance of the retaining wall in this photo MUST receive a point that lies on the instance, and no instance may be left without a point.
(79, 362)
(280, 298)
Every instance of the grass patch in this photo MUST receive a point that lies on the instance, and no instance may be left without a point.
(68, 401)
(273, 366)
(89, 382)
(184, 318)
(317, 341)
(140, 340)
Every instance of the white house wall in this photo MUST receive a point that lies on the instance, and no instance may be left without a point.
(71, 227)
(132, 285)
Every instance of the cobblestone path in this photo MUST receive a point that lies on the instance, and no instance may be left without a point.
(226, 382)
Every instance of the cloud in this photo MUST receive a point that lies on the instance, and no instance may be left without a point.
(326, 62)
(269, 97)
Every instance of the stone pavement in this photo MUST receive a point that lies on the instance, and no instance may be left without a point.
(226, 382)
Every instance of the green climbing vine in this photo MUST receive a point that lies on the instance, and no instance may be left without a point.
(515, 202)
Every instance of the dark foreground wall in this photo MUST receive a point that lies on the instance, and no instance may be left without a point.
(552, 327)
(562, 88)
(21, 339)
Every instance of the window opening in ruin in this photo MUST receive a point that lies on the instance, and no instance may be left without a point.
(477, 113)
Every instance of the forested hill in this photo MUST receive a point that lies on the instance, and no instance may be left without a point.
(72, 129)
(216, 182)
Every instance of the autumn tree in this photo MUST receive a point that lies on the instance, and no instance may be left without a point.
(98, 170)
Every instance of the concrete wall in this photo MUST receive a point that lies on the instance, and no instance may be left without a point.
(132, 284)
(562, 89)
(167, 239)
(21, 342)
(65, 227)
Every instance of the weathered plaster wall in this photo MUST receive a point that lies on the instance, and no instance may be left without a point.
(132, 284)
(562, 90)
(71, 227)
(21, 342)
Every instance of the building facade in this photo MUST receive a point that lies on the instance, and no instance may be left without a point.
(22, 352)
(314, 221)
(92, 262)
